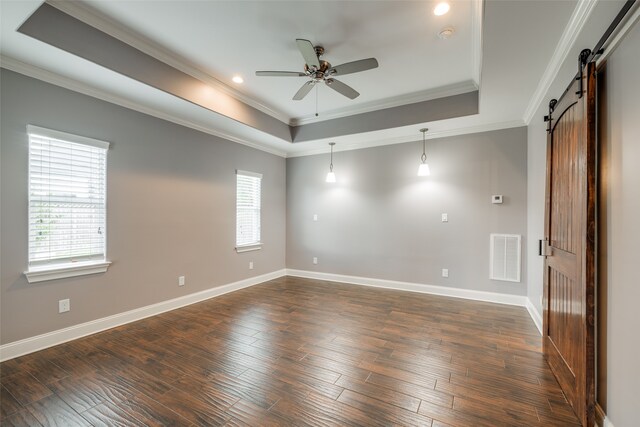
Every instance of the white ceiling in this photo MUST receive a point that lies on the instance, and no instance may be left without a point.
(215, 40)
(225, 38)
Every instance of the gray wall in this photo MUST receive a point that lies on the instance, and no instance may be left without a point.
(382, 221)
(171, 210)
(620, 222)
(536, 167)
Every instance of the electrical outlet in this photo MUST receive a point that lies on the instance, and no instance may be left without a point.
(181, 281)
(315, 217)
(445, 272)
(445, 217)
(315, 260)
(64, 305)
(250, 265)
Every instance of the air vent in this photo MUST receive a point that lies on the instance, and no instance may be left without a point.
(505, 257)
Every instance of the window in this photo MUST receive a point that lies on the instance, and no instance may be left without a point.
(67, 205)
(248, 186)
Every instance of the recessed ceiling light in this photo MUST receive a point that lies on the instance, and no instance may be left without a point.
(445, 33)
(441, 9)
(237, 79)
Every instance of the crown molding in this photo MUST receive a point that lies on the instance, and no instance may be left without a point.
(88, 15)
(569, 36)
(477, 19)
(83, 88)
(396, 101)
(29, 70)
(369, 143)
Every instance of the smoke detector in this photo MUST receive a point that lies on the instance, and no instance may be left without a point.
(446, 33)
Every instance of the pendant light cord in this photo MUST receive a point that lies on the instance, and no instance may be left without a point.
(331, 163)
(424, 146)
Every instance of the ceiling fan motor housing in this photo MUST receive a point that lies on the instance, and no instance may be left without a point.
(318, 74)
(321, 71)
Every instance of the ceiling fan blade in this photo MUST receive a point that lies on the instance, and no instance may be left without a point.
(308, 53)
(279, 74)
(304, 90)
(342, 88)
(354, 67)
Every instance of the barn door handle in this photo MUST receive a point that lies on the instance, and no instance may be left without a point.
(544, 249)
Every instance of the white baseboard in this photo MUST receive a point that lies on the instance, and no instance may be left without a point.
(535, 315)
(508, 299)
(50, 339)
(40, 342)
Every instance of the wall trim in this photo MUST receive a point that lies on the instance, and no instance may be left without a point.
(60, 336)
(535, 315)
(519, 300)
(396, 101)
(477, 18)
(50, 339)
(55, 79)
(569, 36)
(370, 143)
(601, 418)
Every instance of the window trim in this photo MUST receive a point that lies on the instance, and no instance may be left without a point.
(255, 246)
(52, 271)
(61, 271)
(55, 134)
(249, 248)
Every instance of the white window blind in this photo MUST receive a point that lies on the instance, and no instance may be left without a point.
(248, 192)
(67, 198)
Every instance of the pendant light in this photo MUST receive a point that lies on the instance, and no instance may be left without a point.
(331, 177)
(423, 169)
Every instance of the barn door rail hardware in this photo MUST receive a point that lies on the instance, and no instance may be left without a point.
(552, 106)
(599, 47)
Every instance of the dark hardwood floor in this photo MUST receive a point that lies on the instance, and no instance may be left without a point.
(297, 352)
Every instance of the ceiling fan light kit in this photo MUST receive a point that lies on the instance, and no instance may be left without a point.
(321, 71)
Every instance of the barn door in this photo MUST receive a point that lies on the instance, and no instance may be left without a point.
(568, 329)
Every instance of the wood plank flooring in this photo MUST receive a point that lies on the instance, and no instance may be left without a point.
(297, 352)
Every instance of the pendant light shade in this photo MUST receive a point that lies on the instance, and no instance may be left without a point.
(423, 169)
(331, 176)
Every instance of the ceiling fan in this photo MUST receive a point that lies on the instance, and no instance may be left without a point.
(319, 70)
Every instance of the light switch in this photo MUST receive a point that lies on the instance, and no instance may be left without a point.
(315, 217)
(445, 217)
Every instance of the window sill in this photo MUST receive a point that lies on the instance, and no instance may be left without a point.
(248, 248)
(41, 274)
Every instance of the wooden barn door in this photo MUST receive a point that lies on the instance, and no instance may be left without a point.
(568, 330)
